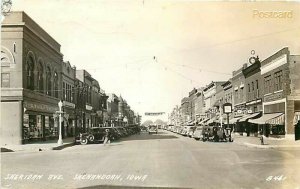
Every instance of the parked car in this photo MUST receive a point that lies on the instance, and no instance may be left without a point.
(152, 129)
(191, 131)
(93, 135)
(198, 133)
(216, 134)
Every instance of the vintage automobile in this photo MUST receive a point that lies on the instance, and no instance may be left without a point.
(93, 135)
(191, 131)
(216, 134)
(198, 134)
(152, 129)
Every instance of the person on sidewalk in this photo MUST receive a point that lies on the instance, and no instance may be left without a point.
(261, 138)
(106, 137)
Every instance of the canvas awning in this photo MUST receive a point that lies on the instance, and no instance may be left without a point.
(296, 118)
(203, 121)
(224, 119)
(269, 119)
(249, 116)
(234, 120)
(211, 120)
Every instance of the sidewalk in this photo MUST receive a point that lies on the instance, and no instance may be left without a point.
(255, 142)
(39, 146)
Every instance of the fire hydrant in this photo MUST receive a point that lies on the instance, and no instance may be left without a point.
(262, 140)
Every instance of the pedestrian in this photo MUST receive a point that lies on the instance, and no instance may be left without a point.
(261, 138)
(106, 137)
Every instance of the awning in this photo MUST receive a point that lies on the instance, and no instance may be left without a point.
(296, 118)
(277, 120)
(224, 119)
(234, 120)
(211, 120)
(268, 119)
(249, 116)
(203, 121)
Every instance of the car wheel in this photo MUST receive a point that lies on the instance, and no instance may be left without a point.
(91, 138)
(84, 141)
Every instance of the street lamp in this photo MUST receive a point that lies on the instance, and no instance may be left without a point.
(60, 141)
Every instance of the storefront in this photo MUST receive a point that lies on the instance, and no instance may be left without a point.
(271, 124)
(68, 129)
(39, 122)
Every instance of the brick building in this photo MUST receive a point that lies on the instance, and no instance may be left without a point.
(199, 105)
(185, 110)
(192, 104)
(31, 67)
(280, 74)
(68, 98)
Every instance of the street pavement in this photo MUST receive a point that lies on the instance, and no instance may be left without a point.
(164, 160)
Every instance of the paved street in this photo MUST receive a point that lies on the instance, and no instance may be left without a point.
(162, 160)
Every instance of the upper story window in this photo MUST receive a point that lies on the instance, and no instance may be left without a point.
(55, 85)
(267, 84)
(48, 81)
(40, 78)
(278, 80)
(30, 73)
(64, 91)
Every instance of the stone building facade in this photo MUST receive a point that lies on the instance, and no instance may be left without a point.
(31, 77)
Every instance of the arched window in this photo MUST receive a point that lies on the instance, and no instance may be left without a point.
(30, 73)
(48, 81)
(40, 78)
(55, 85)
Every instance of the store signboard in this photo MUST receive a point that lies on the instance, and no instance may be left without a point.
(39, 107)
(227, 108)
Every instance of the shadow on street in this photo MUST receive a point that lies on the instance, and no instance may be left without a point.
(146, 136)
(125, 187)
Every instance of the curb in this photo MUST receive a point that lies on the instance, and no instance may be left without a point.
(63, 146)
(267, 146)
(37, 149)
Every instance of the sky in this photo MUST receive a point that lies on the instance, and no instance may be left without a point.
(154, 52)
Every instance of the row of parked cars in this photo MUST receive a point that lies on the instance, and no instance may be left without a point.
(97, 134)
(203, 132)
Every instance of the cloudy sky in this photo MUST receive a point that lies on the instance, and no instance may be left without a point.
(154, 52)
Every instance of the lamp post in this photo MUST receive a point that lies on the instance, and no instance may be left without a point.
(60, 141)
(227, 108)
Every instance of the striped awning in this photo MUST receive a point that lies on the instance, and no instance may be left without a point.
(277, 120)
(249, 116)
(274, 118)
(296, 118)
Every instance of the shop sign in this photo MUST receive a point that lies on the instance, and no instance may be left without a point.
(254, 102)
(227, 108)
(68, 104)
(39, 107)
(273, 97)
(153, 113)
(88, 107)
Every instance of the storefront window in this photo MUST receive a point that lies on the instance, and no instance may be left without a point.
(277, 130)
(26, 127)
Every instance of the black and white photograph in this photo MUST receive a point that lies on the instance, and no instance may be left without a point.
(166, 94)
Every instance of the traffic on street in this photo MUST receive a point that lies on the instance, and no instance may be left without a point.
(165, 159)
